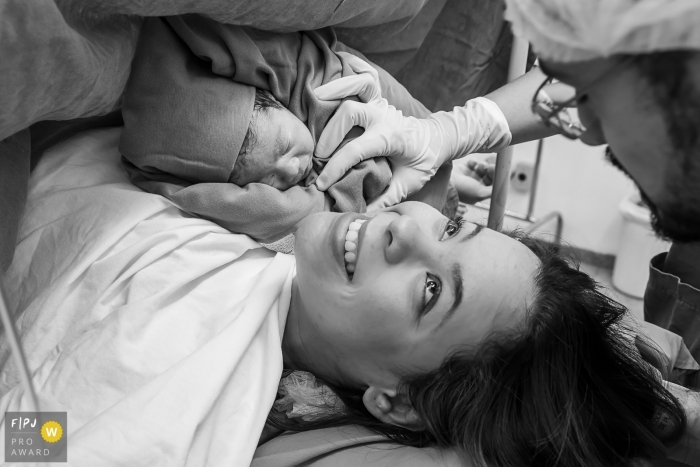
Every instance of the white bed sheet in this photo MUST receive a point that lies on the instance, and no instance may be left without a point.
(158, 332)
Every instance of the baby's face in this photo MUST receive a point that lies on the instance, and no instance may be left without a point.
(281, 155)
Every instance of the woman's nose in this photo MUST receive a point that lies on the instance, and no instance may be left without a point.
(404, 240)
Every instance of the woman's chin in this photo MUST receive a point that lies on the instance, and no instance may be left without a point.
(311, 234)
(312, 228)
(314, 250)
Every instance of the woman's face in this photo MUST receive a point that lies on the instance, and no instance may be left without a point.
(422, 287)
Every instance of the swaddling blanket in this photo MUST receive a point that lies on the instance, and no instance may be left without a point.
(159, 333)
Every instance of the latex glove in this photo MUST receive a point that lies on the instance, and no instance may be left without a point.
(416, 148)
(364, 84)
(473, 179)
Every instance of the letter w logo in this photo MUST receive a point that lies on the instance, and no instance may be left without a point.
(51, 431)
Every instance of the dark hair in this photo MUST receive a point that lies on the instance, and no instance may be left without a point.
(264, 101)
(567, 387)
(673, 84)
(675, 89)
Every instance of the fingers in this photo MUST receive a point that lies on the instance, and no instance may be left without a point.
(347, 116)
(393, 195)
(360, 66)
(489, 176)
(362, 85)
(483, 192)
(404, 181)
(357, 150)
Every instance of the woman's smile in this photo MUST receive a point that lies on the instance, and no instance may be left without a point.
(352, 245)
(338, 239)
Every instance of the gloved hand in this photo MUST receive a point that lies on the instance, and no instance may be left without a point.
(416, 148)
(364, 84)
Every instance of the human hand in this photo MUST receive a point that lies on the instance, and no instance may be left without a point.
(473, 179)
(404, 140)
(364, 84)
(416, 148)
(407, 177)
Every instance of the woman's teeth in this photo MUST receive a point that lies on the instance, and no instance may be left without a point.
(351, 245)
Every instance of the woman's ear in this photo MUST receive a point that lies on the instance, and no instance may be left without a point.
(392, 408)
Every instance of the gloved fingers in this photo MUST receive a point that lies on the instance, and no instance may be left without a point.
(348, 115)
(404, 181)
(361, 85)
(394, 194)
(360, 66)
(357, 150)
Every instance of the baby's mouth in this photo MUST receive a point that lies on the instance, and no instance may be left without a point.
(303, 173)
(351, 242)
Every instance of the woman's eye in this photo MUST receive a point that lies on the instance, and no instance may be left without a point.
(453, 227)
(432, 292)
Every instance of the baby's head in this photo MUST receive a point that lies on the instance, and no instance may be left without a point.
(277, 148)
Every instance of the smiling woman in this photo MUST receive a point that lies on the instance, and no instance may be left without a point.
(446, 333)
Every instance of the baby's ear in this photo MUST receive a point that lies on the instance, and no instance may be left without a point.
(392, 408)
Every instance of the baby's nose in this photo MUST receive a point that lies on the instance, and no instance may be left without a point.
(289, 170)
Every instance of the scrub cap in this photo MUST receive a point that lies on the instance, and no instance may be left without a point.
(579, 30)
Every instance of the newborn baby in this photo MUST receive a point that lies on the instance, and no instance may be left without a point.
(277, 149)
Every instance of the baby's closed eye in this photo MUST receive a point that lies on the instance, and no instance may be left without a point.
(277, 149)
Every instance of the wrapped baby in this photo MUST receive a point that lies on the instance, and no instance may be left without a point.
(222, 120)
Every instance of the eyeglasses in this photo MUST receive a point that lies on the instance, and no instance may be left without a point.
(558, 115)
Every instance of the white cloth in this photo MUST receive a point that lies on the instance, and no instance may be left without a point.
(579, 30)
(159, 333)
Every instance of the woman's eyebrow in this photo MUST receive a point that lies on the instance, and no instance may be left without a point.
(472, 234)
(458, 280)
(458, 291)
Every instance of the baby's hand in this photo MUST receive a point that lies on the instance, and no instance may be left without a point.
(473, 178)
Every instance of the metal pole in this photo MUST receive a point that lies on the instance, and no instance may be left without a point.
(499, 196)
(535, 180)
(17, 351)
